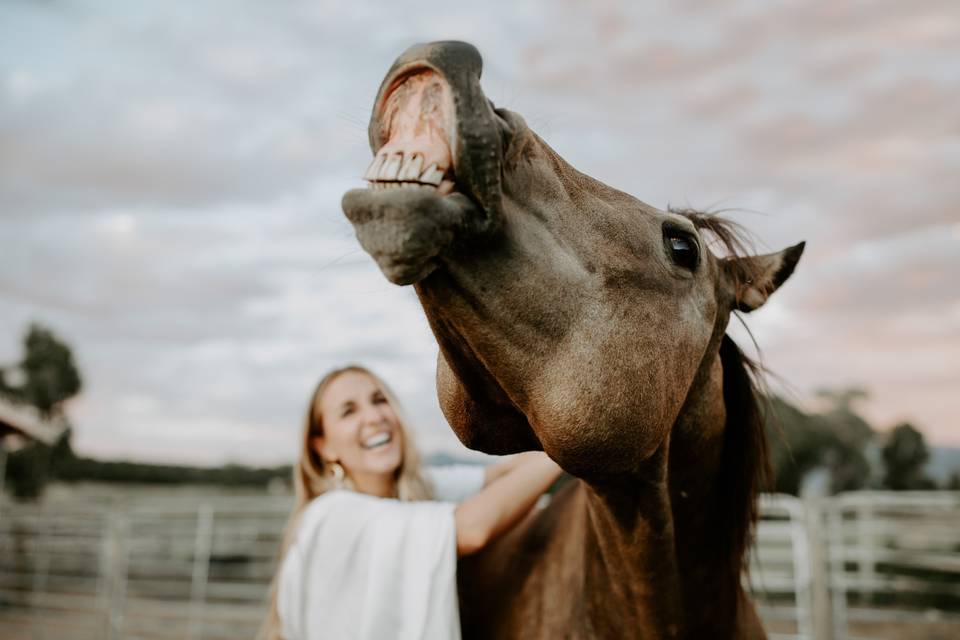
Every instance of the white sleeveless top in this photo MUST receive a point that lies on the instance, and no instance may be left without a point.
(369, 568)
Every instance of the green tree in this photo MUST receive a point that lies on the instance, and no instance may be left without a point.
(28, 471)
(849, 434)
(46, 377)
(834, 439)
(5, 389)
(953, 483)
(49, 374)
(904, 456)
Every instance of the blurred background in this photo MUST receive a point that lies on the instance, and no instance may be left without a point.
(176, 275)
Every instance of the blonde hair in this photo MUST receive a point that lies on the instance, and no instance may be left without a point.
(312, 477)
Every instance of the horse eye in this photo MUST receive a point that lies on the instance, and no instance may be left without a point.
(683, 250)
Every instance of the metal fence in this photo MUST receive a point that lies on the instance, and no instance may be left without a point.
(779, 576)
(159, 568)
(893, 559)
(857, 565)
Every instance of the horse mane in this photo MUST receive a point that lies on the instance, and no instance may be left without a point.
(744, 465)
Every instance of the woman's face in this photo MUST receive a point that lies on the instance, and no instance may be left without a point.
(360, 429)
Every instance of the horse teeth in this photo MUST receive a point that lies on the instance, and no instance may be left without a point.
(411, 167)
(374, 169)
(433, 175)
(404, 163)
(447, 186)
(391, 167)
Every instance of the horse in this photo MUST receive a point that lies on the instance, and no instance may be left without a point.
(575, 319)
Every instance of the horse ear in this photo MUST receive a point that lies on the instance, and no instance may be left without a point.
(754, 278)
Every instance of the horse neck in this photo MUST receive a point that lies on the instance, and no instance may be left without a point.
(631, 578)
(666, 537)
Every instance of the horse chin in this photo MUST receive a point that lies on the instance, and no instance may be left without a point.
(406, 230)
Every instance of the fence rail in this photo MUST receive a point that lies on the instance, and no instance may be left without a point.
(200, 568)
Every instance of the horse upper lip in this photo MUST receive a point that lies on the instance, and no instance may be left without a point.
(431, 104)
(435, 177)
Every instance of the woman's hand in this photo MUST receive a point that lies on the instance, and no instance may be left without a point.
(499, 469)
(510, 491)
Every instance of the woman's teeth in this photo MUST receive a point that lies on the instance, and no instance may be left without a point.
(376, 441)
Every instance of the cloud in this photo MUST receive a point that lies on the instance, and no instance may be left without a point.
(171, 186)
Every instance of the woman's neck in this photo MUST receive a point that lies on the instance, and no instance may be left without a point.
(375, 484)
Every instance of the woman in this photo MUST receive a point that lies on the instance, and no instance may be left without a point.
(366, 554)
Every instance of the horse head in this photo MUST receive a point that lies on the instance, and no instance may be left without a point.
(571, 316)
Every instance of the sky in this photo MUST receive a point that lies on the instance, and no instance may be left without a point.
(172, 174)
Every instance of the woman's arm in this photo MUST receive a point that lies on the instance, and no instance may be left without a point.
(503, 501)
(493, 471)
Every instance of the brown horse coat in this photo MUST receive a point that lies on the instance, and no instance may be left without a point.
(574, 318)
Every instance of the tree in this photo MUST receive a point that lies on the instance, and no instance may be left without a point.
(833, 440)
(49, 374)
(28, 470)
(904, 456)
(45, 378)
(5, 389)
(953, 483)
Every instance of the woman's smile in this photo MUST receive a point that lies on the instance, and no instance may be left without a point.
(377, 440)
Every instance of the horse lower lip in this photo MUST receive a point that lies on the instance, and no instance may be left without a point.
(405, 230)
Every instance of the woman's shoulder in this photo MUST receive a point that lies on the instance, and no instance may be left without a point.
(336, 501)
(349, 510)
(335, 497)
(338, 498)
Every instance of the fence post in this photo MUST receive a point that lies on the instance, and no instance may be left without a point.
(819, 584)
(866, 556)
(104, 569)
(3, 472)
(202, 546)
(836, 545)
(114, 567)
(41, 567)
